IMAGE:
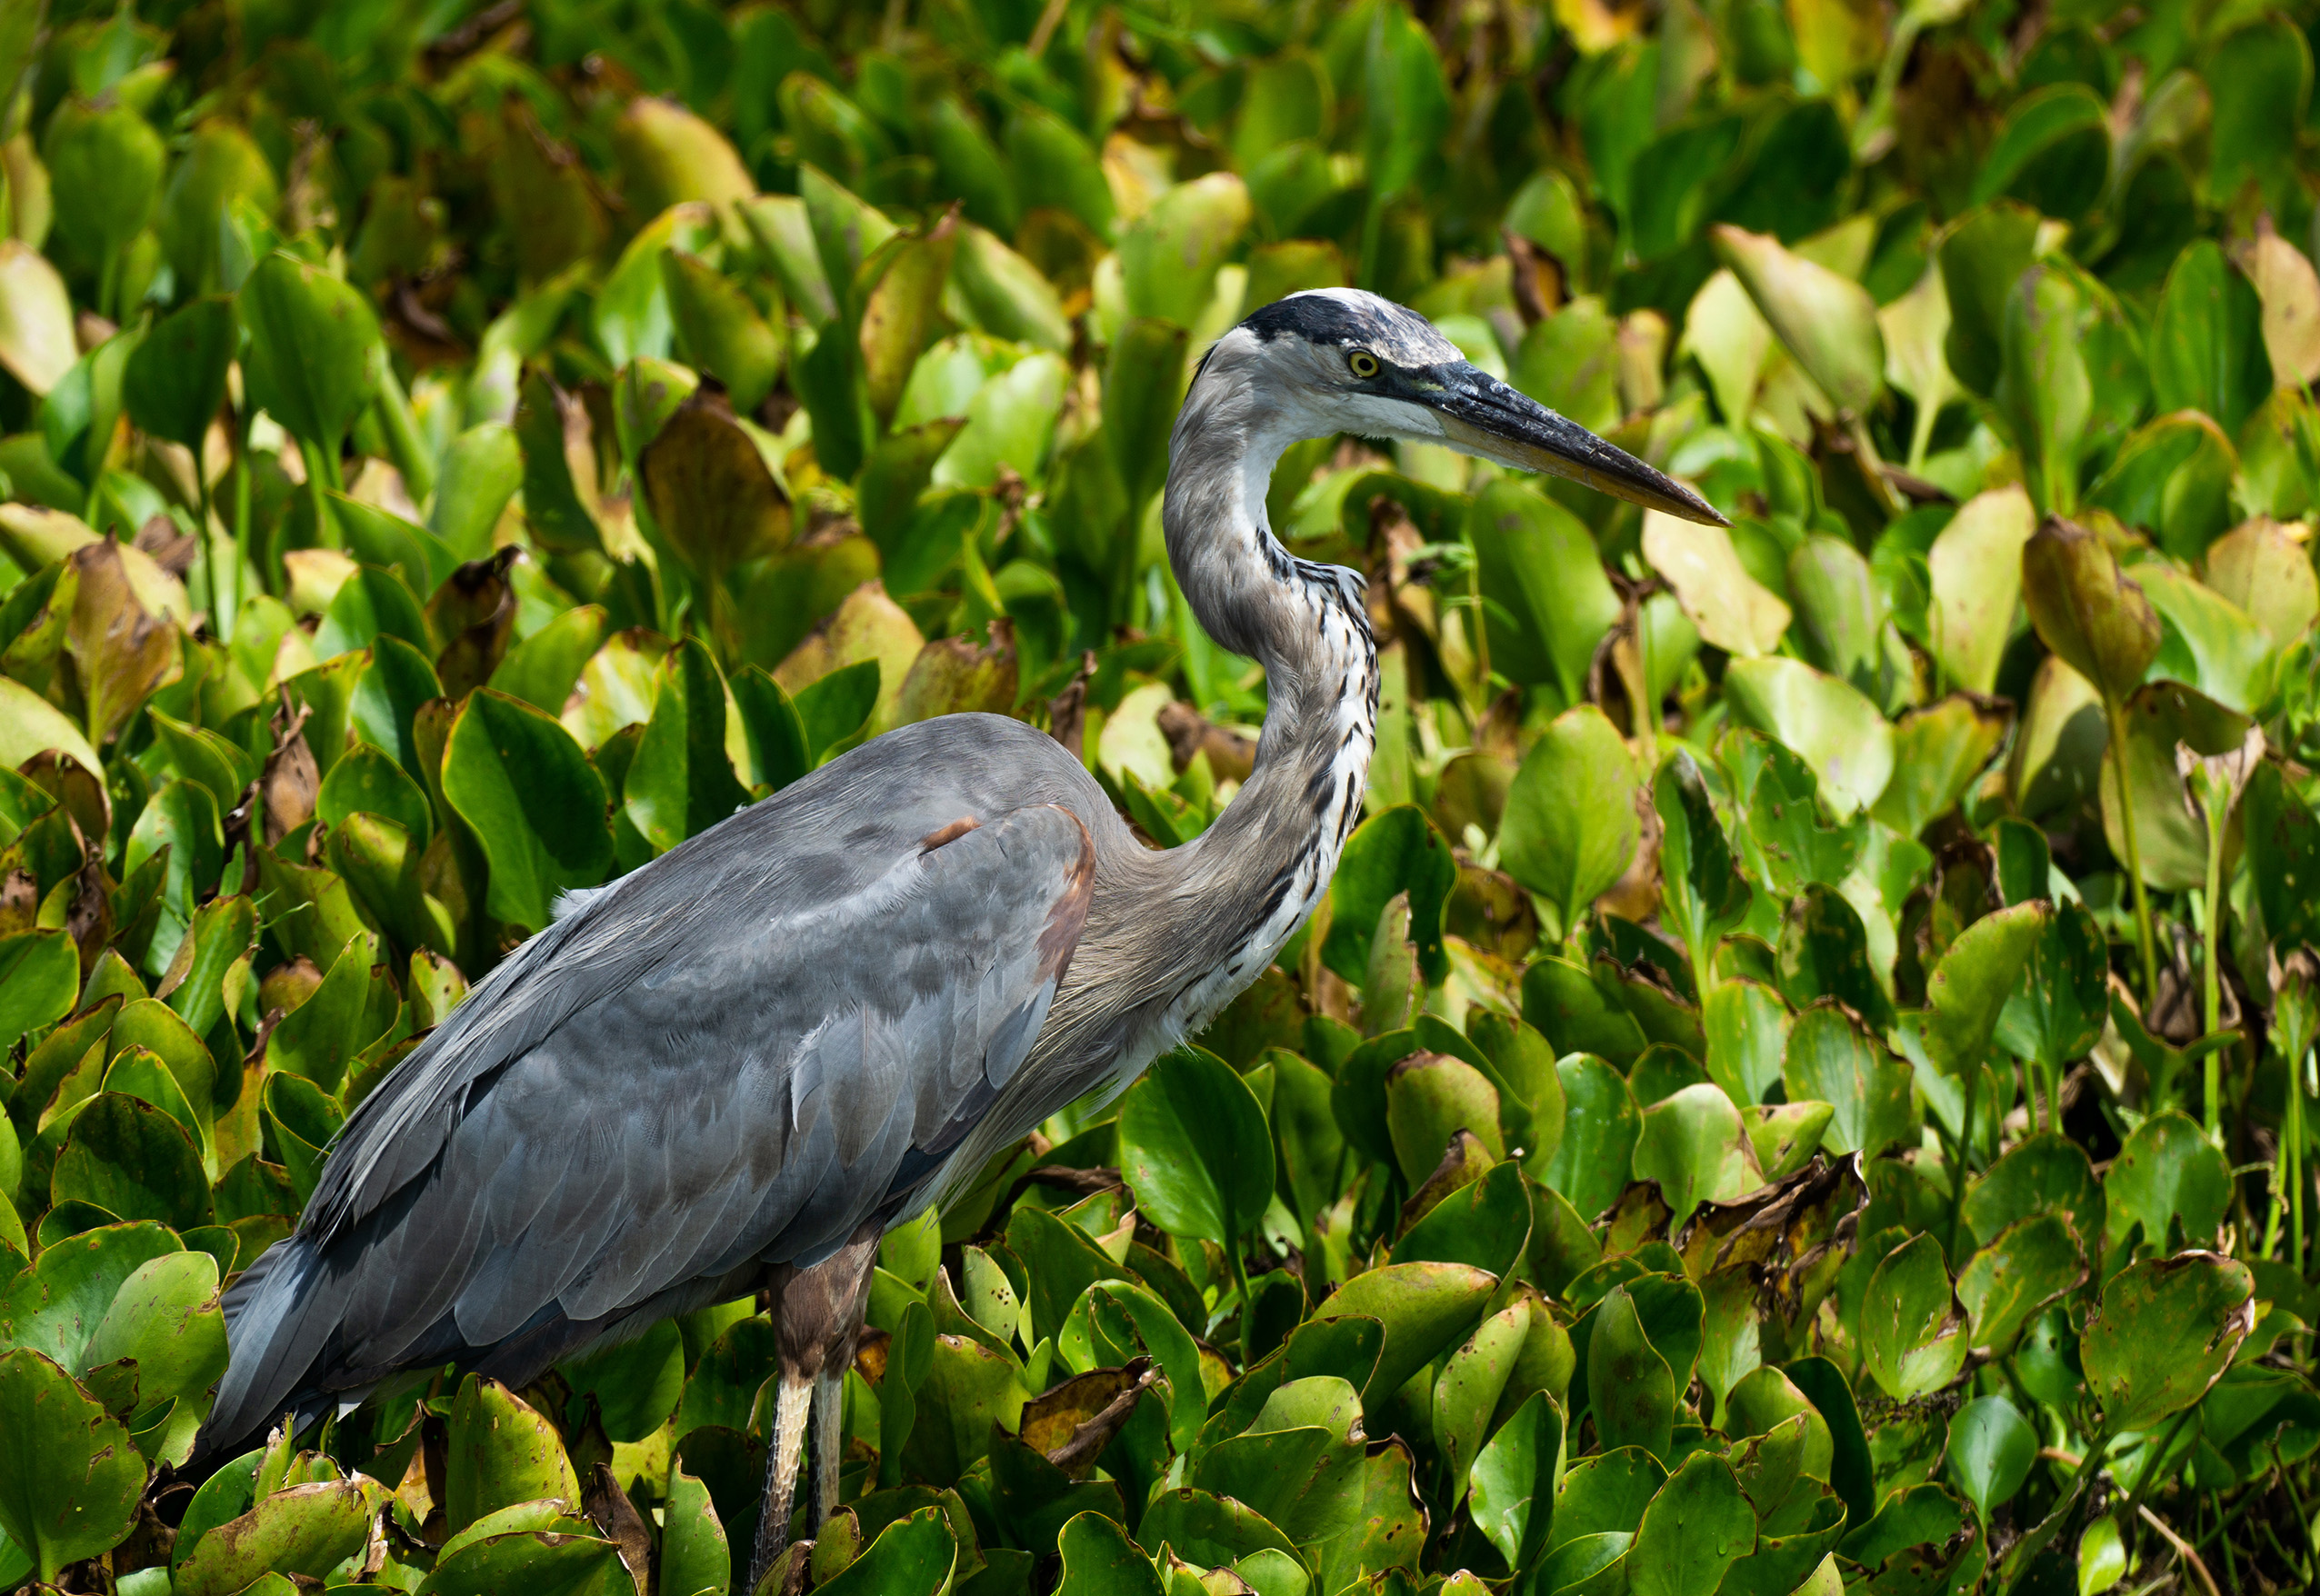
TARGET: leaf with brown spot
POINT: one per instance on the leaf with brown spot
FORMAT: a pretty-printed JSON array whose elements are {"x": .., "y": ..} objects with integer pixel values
[
  {"x": 121, "y": 652},
  {"x": 711, "y": 495}
]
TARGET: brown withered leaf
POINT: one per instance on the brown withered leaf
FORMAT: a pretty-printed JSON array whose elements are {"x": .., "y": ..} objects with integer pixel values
[
  {"x": 1231, "y": 755},
  {"x": 121, "y": 652},
  {"x": 951, "y": 675},
  {"x": 1068, "y": 710},
  {"x": 291, "y": 778},
  {"x": 89, "y": 920},
  {"x": 71, "y": 783},
  {"x": 1639, "y": 1215},
  {"x": 1465, "y": 1161},
  {"x": 475, "y": 612},
  {"x": 1074, "y": 1422},
  {"x": 710, "y": 492},
  {"x": 19, "y": 901}
]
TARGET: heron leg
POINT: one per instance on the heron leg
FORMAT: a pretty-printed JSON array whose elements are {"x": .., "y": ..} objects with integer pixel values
[
  {"x": 817, "y": 1315},
  {"x": 782, "y": 1458},
  {"x": 829, "y": 1442}
]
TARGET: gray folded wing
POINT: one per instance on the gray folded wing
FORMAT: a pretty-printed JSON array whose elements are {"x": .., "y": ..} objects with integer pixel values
[{"x": 735, "y": 1060}]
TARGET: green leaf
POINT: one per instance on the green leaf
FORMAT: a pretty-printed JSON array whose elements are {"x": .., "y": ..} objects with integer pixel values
[
  {"x": 968, "y": 1389},
  {"x": 2164, "y": 1331},
  {"x": 1425, "y": 1307},
  {"x": 1007, "y": 294},
  {"x": 500, "y": 1452},
  {"x": 1570, "y": 824},
  {"x": 2283, "y": 841},
  {"x": 131, "y": 1160},
  {"x": 1913, "y": 1338},
  {"x": 55, "y": 1307},
  {"x": 720, "y": 330},
  {"x": 1697, "y": 1527},
  {"x": 1600, "y": 1127},
  {"x": 539, "y": 1562},
  {"x": 309, "y": 360},
  {"x": 1833, "y": 1058},
  {"x": 1704, "y": 894},
  {"x": 105, "y": 163},
  {"x": 1747, "y": 1028},
  {"x": 911, "y": 1557},
  {"x": 1969, "y": 987},
  {"x": 2086, "y": 610},
  {"x": 1975, "y": 569},
  {"x": 1194, "y": 1147},
  {"x": 1694, "y": 1145},
  {"x": 481, "y": 472},
  {"x": 1828, "y": 321},
  {"x": 710, "y": 490},
  {"x": 40, "y": 972},
  {"x": 2039, "y": 1174},
  {"x": 681, "y": 780},
  {"x": 535, "y": 803},
  {"x": 901, "y": 313},
  {"x": 1429, "y": 1099},
  {"x": 1939, "y": 752},
  {"x": 1827, "y": 722},
  {"x": 1991, "y": 1449},
  {"x": 1393, "y": 852},
  {"x": 1469, "y": 1388},
  {"x": 1629, "y": 1388},
  {"x": 2053, "y": 151},
  {"x": 1409, "y": 103},
  {"x": 1550, "y": 602},
  {"x": 1718, "y": 594},
  {"x": 2026, "y": 1266},
  {"x": 2206, "y": 347},
  {"x": 1825, "y": 953},
  {"x": 70, "y": 1479},
  {"x": 366, "y": 780},
  {"x": 2172, "y": 478},
  {"x": 305, "y": 1528},
  {"x": 2055, "y": 1015},
  {"x": 1099, "y": 1560},
  {"x": 693, "y": 1552},
  {"x": 2168, "y": 1169},
  {"x": 176, "y": 378},
  {"x": 318, "y": 1039},
  {"x": 1514, "y": 1499},
  {"x": 37, "y": 344}
]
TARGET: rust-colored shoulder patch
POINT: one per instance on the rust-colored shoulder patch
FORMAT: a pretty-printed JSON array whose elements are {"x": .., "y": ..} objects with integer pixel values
[
  {"x": 1068, "y": 918},
  {"x": 949, "y": 833}
]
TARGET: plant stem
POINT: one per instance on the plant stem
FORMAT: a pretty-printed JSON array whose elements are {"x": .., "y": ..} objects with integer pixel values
[
  {"x": 221, "y": 582},
  {"x": 2026, "y": 1550},
  {"x": 1965, "y": 1155},
  {"x": 1646, "y": 706},
  {"x": 2292, "y": 1152},
  {"x": 2212, "y": 988},
  {"x": 2117, "y": 714}
]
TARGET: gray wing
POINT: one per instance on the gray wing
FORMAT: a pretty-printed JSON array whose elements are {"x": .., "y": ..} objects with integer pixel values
[{"x": 730, "y": 1059}]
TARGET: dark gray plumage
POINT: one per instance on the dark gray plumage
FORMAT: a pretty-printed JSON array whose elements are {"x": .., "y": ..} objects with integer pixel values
[{"x": 731, "y": 1069}]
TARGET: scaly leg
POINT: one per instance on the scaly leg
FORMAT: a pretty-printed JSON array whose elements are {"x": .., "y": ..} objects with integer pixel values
[
  {"x": 817, "y": 1313},
  {"x": 790, "y": 1399},
  {"x": 829, "y": 1442}
]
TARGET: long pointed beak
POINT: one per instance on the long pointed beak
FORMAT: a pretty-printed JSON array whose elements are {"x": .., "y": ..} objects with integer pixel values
[{"x": 1482, "y": 415}]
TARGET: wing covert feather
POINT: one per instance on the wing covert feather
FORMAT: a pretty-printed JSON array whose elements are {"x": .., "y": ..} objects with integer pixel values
[{"x": 752, "y": 1090}]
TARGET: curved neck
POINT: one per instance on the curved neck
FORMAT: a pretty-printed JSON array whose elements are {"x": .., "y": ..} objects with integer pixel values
[{"x": 1304, "y": 623}]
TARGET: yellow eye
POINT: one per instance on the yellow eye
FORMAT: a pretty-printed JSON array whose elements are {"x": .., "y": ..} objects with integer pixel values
[{"x": 1363, "y": 364}]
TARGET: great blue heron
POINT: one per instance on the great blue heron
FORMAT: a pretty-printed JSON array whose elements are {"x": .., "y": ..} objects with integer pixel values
[{"x": 732, "y": 1070}]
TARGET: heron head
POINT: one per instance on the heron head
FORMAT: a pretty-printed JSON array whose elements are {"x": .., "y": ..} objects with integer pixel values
[{"x": 1349, "y": 361}]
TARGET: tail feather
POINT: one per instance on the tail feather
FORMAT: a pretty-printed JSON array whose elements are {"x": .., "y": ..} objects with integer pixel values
[{"x": 278, "y": 1317}]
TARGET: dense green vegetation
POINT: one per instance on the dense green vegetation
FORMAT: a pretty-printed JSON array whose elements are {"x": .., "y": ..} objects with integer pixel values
[{"x": 1800, "y": 1081}]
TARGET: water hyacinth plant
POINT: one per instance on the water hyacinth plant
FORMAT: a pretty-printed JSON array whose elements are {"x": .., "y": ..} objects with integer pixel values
[{"x": 1799, "y": 1083}]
